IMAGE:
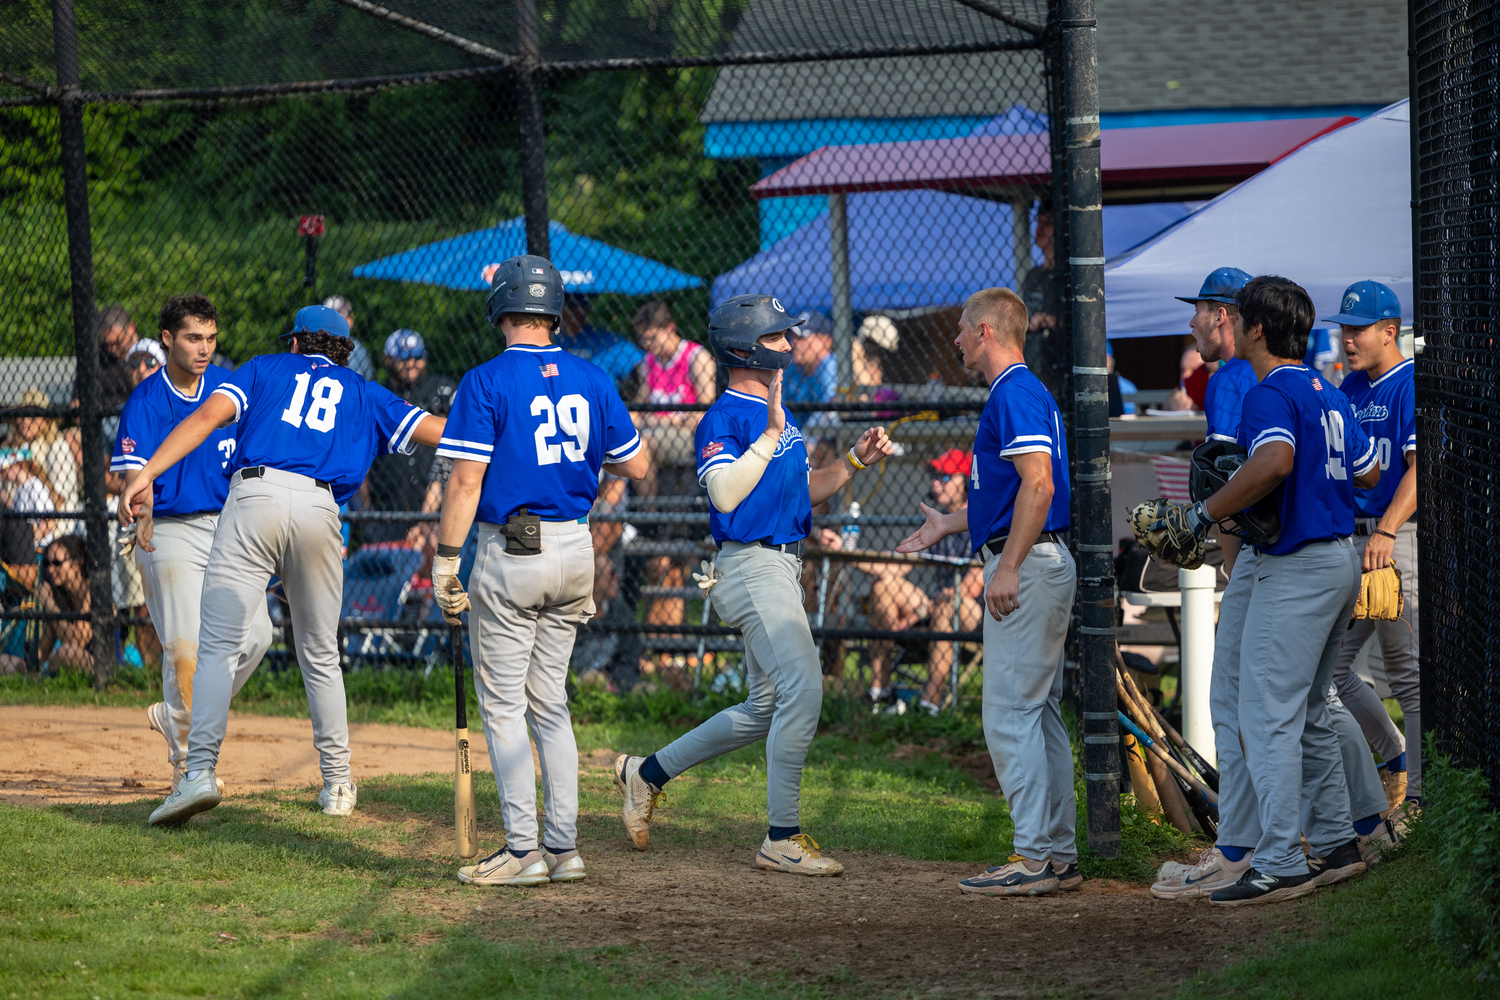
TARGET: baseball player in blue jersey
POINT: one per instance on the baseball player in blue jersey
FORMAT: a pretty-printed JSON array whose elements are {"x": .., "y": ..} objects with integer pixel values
[
  {"x": 1382, "y": 387},
  {"x": 1019, "y": 500},
  {"x": 1307, "y": 453},
  {"x": 308, "y": 429},
  {"x": 174, "y": 530},
  {"x": 1239, "y": 813},
  {"x": 753, "y": 462},
  {"x": 529, "y": 432}
]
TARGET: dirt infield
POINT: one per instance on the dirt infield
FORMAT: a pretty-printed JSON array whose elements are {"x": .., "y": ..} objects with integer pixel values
[{"x": 82, "y": 754}]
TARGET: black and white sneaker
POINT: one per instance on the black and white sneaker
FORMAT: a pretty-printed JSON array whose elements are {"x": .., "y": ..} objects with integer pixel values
[
  {"x": 1259, "y": 887},
  {"x": 1343, "y": 862}
]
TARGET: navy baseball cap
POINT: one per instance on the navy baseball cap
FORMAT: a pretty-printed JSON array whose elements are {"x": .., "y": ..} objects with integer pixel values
[
  {"x": 318, "y": 319},
  {"x": 403, "y": 345},
  {"x": 1364, "y": 303},
  {"x": 1220, "y": 286}
]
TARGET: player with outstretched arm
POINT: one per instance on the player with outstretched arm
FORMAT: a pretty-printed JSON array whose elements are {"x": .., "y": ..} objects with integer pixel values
[
  {"x": 1019, "y": 500},
  {"x": 529, "y": 432},
  {"x": 308, "y": 430},
  {"x": 753, "y": 461}
]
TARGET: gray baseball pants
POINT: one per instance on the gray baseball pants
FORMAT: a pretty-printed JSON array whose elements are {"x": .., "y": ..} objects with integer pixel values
[
  {"x": 1023, "y": 683},
  {"x": 172, "y": 577},
  {"x": 524, "y": 615},
  {"x": 1366, "y": 795},
  {"x": 279, "y": 524},
  {"x": 1399, "y": 650},
  {"x": 1294, "y": 626},
  {"x": 758, "y": 592}
]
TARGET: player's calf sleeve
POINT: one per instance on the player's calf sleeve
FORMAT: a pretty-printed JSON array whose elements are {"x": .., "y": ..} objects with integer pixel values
[
  {"x": 1235, "y": 854},
  {"x": 783, "y": 832}
]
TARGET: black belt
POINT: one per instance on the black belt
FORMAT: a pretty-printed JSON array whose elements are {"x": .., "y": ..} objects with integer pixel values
[
  {"x": 790, "y": 548},
  {"x": 257, "y": 471},
  {"x": 994, "y": 545},
  {"x": 1364, "y": 527}
]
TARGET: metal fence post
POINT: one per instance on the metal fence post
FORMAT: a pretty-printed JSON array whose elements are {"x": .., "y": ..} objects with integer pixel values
[
  {"x": 843, "y": 288},
  {"x": 81, "y": 275},
  {"x": 1426, "y": 691},
  {"x": 533, "y": 136},
  {"x": 1091, "y": 485}
]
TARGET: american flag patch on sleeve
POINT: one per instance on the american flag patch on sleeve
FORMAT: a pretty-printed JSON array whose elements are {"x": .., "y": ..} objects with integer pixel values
[{"x": 549, "y": 370}]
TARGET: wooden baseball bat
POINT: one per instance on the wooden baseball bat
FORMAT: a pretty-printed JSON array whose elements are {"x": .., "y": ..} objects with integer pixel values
[
  {"x": 1140, "y": 780},
  {"x": 465, "y": 826}
]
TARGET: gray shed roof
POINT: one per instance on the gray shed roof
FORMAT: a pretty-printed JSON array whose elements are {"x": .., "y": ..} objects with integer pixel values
[{"x": 1153, "y": 55}]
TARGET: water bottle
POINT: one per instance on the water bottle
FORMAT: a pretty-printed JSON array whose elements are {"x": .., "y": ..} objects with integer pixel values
[{"x": 849, "y": 537}]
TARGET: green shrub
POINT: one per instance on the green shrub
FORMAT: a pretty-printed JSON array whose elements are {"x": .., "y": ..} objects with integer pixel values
[{"x": 1461, "y": 829}]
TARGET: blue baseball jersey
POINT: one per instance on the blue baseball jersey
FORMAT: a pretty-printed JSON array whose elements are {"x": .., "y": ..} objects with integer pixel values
[
  {"x": 545, "y": 422},
  {"x": 779, "y": 508},
  {"x": 1296, "y": 406},
  {"x": 1387, "y": 410},
  {"x": 200, "y": 481},
  {"x": 1019, "y": 418},
  {"x": 302, "y": 413},
  {"x": 1225, "y": 396}
]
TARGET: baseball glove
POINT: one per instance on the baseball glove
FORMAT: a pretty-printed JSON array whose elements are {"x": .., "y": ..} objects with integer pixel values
[
  {"x": 1169, "y": 531},
  {"x": 1380, "y": 595}
]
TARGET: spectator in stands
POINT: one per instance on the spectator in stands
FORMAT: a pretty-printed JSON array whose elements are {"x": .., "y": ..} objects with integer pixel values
[
  {"x": 1119, "y": 385},
  {"x": 897, "y": 604},
  {"x": 25, "y": 490},
  {"x": 813, "y": 375},
  {"x": 65, "y": 588},
  {"x": 143, "y": 360},
  {"x": 117, "y": 335},
  {"x": 57, "y": 453},
  {"x": 617, "y": 356},
  {"x": 400, "y": 482},
  {"x": 1192, "y": 382},
  {"x": 876, "y": 341},
  {"x": 1045, "y": 352},
  {"x": 359, "y": 358}
]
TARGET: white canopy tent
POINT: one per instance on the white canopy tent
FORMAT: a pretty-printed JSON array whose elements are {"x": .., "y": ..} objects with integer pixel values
[{"x": 1334, "y": 212}]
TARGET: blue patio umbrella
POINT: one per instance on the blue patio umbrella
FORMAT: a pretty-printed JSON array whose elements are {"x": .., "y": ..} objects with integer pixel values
[
  {"x": 587, "y": 265},
  {"x": 912, "y": 249}
]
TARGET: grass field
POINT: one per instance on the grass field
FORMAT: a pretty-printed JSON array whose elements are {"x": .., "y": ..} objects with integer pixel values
[{"x": 264, "y": 896}]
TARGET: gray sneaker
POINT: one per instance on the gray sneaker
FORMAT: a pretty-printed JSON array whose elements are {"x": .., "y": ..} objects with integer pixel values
[{"x": 191, "y": 797}]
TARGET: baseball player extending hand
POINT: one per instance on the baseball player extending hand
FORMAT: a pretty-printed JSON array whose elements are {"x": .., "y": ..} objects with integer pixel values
[
  {"x": 529, "y": 432},
  {"x": 1019, "y": 500},
  {"x": 753, "y": 461},
  {"x": 308, "y": 429},
  {"x": 174, "y": 532}
]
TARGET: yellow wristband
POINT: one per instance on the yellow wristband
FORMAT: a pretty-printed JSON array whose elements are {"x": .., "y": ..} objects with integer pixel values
[{"x": 855, "y": 461}]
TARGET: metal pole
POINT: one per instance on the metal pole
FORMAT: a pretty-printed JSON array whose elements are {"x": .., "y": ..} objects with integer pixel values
[
  {"x": 1020, "y": 208},
  {"x": 843, "y": 293},
  {"x": 86, "y": 386},
  {"x": 1427, "y": 689},
  {"x": 958, "y": 600},
  {"x": 533, "y": 136},
  {"x": 1091, "y": 484}
]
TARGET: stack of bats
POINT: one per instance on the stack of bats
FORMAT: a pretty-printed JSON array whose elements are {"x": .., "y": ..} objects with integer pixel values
[{"x": 1169, "y": 777}]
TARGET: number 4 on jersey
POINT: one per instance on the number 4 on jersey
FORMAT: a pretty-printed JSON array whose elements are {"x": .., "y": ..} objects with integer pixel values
[{"x": 326, "y": 395}]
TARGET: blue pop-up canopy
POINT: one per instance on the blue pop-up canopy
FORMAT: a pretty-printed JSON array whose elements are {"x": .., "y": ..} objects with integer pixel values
[
  {"x": 913, "y": 249},
  {"x": 587, "y": 265}
]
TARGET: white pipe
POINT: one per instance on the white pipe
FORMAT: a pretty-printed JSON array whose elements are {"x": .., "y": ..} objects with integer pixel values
[
  {"x": 843, "y": 292},
  {"x": 1197, "y": 657}
]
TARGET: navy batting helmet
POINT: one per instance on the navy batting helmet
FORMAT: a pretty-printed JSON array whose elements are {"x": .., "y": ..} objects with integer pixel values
[
  {"x": 525, "y": 284},
  {"x": 1213, "y": 463},
  {"x": 739, "y": 323}
]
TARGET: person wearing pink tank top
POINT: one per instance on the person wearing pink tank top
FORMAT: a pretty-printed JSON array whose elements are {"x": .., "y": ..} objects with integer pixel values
[{"x": 675, "y": 371}]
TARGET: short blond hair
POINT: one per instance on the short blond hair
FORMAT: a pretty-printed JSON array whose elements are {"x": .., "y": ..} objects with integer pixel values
[
  {"x": 531, "y": 320},
  {"x": 1002, "y": 309}
]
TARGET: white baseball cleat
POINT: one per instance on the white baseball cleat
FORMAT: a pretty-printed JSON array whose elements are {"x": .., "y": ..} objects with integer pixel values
[
  {"x": 1170, "y": 868},
  {"x": 1012, "y": 879},
  {"x": 338, "y": 800},
  {"x": 640, "y": 799},
  {"x": 177, "y": 779},
  {"x": 564, "y": 867},
  {"x": 505, "y": 868},
  {"x": 191, "y": 797},
  {"x": 797, "y": 855},
  {"x": 1383, "y": 838},
  {"x": 1213, "y": 871},
  {"x": 159, "y": 718}
]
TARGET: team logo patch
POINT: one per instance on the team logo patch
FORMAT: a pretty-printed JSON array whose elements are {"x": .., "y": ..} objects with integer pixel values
[
  {"x": 710, "y": 450},
  {"x": 1350, "y": 301},
  {"x": 127, "y": 445},
  {"x": 537, "y": 291},
  {"x": 549, "y": 370},
  {"x": 777, "y": 304}
]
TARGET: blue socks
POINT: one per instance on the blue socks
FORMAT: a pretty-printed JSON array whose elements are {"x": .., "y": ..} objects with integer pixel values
[
  {"x": 1365, "y": 827},
  {"x": 1235, "y": 854},
  {"x": 1397, "y": 763},
  {"x": 652, "y": 772},
  {"x": 783, "y": 832}
]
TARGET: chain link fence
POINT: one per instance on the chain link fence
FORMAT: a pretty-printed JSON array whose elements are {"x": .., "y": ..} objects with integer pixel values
[
  {"x": 1455, "y": 126},
  {"x": 870, "y": 165}
]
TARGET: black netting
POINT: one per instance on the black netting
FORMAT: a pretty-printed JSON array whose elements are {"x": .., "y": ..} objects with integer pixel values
[
  {"x": 669, "y": 186},
  {"x": 1456, "y": 127}
]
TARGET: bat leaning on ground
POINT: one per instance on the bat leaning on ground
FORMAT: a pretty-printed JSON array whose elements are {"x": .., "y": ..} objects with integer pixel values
[{"x": 464, "y": 823}]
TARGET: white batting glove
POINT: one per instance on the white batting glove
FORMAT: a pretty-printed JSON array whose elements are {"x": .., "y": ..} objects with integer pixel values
[
  {"x": 706, "y": 579},
  {"x": 448, "y": 592},
  {"x": 125, "y": 540}
]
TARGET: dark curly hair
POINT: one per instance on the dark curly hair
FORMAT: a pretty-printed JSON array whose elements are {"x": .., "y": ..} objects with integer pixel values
[
  {"x": 335, "y": 349},
  {"x": 1282, "y": 309}
]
